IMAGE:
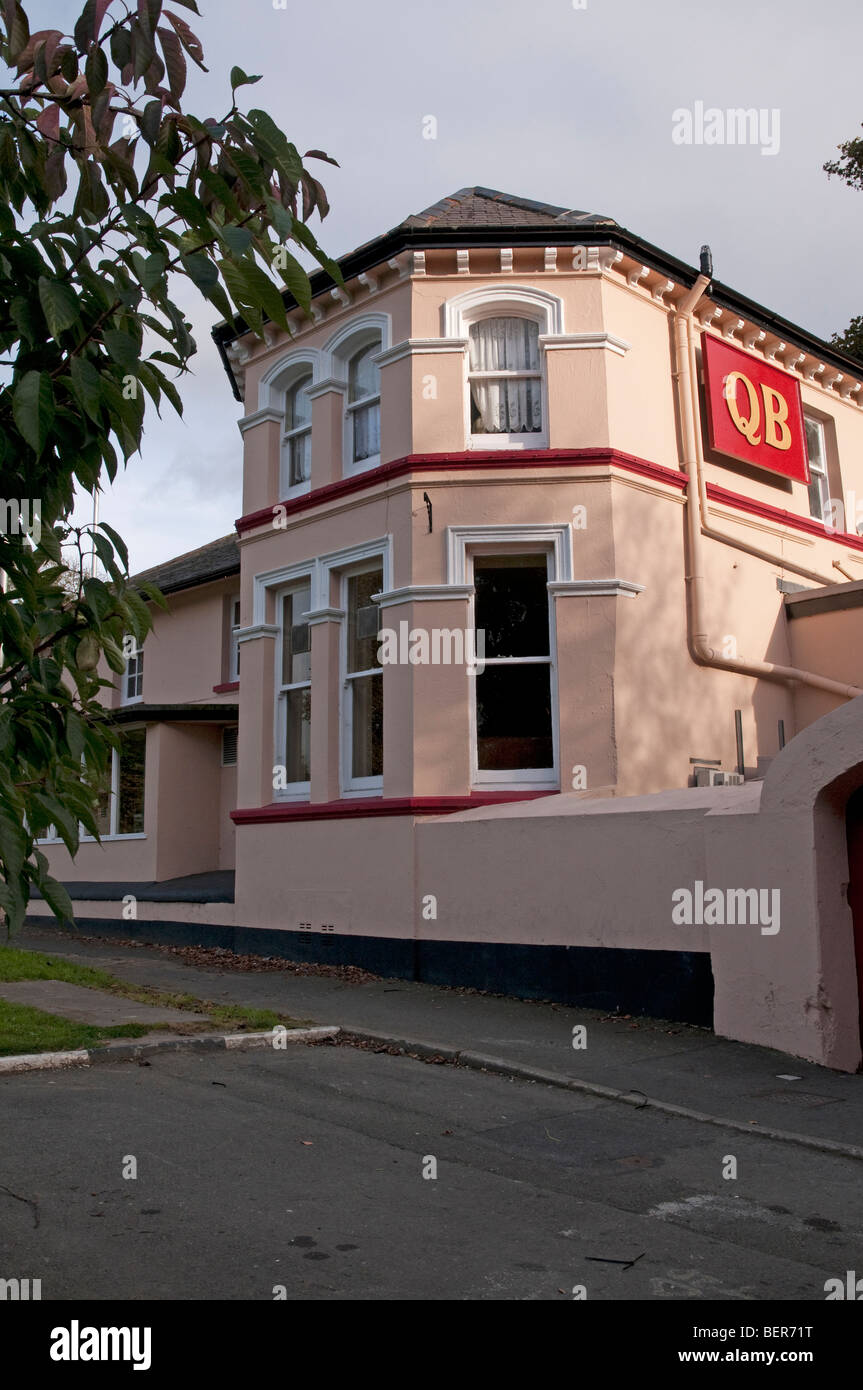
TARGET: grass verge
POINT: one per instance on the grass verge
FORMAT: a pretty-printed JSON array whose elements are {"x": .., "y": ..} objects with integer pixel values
[{"x": 25, "y": 1029}]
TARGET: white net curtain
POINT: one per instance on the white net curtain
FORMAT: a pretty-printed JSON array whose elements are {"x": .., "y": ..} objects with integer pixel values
[{"x": 505, "y": 380}]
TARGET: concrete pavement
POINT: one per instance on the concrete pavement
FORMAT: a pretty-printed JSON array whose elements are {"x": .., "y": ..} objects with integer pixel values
[{"x": 671, "y": 1062}]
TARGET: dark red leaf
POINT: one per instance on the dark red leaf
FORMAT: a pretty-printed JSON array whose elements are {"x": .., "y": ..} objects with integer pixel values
[
  {"x": 48, "y": 121},
  {"x": 174, "y": 61},
  {"x": 190, "y": 42}
]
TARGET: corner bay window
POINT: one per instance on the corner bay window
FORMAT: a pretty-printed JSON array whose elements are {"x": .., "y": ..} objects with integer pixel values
[
  {"x": 364, "y": 403},
  {"x": 297, "y": 440},
  {"x": 364, "y": 691},
  {"x": 295, "y": 685},
  {"x": 513, "y": 693},
  {"x": 505, "y": 377}
]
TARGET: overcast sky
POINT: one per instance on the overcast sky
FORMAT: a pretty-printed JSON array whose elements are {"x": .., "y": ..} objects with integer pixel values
[{"x": 567, "y": 105}]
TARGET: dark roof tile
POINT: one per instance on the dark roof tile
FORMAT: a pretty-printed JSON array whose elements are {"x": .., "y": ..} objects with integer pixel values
[{"x": 216, "y": 560}]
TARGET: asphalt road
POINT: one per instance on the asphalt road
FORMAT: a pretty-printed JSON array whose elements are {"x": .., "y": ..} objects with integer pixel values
[{"x": 303, "y": 1170}]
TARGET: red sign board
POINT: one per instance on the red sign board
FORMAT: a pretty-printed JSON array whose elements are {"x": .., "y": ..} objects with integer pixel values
[{"x": 754, "y": 411}]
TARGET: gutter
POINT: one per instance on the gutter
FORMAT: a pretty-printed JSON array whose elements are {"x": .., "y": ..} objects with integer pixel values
[{"x": 696, "y": 507}]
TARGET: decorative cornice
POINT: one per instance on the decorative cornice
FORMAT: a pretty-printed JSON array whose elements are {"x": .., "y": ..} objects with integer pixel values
[
  {"x": 554, "y": 341},
  {"x": 590, "y": 588},
  {"x": 423, "y": 593},
  {"x": 316, "y": 616},
  {"x": 248, "y": 634},
  {"x": 267, "y": 415},
  {"x": 321, "y": 388},
  {"x": 410, "y": 347}
]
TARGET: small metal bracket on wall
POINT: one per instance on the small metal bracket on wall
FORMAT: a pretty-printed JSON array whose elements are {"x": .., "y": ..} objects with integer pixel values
[{"x": 427, "y": 501}]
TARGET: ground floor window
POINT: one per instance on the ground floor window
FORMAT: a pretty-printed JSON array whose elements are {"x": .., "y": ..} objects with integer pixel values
[
  {"x": 513, "y": 717},
  {"x": 295, "y": 687},
  {"x": 363, "y": 713},
  {"x": 121, "y": 798}
]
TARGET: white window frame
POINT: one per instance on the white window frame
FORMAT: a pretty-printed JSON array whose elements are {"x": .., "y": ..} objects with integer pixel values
[
  {"x": 286, "y": 487},
  {"x": 294, "y": 791},
  {"x": 323, "y": 570},
  {"x": 351, "y": 785},
  {"x": 533, "y": 439},
  {"x": 509, "y": 301},
  {"x": 138, "y": 658},
  {"x": 338, "y": 351},
  {"x": 233, "y": 643},
  {"x": 555, "y": 540},
  {"x": 821, "y": 475},
  {"x": 273, "y": 391},
  {"x": 352, "y": 409}
]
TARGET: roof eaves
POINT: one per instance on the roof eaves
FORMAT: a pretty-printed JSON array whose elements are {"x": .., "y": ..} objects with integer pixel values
[{"x": 575, "y": 233}]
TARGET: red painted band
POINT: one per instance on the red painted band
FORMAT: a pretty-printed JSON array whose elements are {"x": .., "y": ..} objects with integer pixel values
[
  {"x": 348, "y": 809},
  {"x": 481, "y": 460}
]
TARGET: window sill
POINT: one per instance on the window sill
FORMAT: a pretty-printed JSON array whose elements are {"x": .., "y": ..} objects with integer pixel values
[
  {"x": 508, "y": 441},
  {"x": 226, "y": 688},
  {"x": 362, "y": 466}
]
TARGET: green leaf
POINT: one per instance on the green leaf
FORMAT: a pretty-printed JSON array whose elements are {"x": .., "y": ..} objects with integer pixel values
[
  {"x": 237, "y": 239},
  {"x": 33, "y": 408},
  {"x": 74, "y": 733},
  {"x": 240, "y": 79},
  {"x": 87, "y": 386},
  {"x": 59, "y": 304},
  {"x": 117, "y": 541},
  {"x": 201, "y": 271},
  {"x": 121, "y": 348}
]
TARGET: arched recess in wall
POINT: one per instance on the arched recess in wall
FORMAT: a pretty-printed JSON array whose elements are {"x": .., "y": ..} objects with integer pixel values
[{"x": 819, "y": 774}]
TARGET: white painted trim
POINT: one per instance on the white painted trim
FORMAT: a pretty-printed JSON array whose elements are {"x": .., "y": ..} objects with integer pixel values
[
  {"x": 423, "y": 593},
  {"x": 551, "y": 343},
  {"x": 412, "y": 347},
  {"x": 349, "y": 785},
  {"x": 589, "y": 588},
  {"x": 276, "y": 379},
  {"x": 524, "y": 778},
  {"x": 462, "y": 310},
  {"x": 268, "y": 414},
  {"x": 335, "y": 350},
  {"x": 557, "y": 535},
  {"x": 329, "y": 383},
  {"x": 248, "y": 634},
  {"x": 316, "y": 616},
  {"x": 319, "y": 569}
]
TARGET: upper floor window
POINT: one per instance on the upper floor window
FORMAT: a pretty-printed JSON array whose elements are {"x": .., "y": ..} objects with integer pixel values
[
  {"x": 505, "y": 380},
  {"x": 133, "y": 676},
  {"x": 234, "y": 645},
  {"x": 364, "y": 405},
  {"x": 819, "y": 487},
  {"x": 297, "y": 439}
]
